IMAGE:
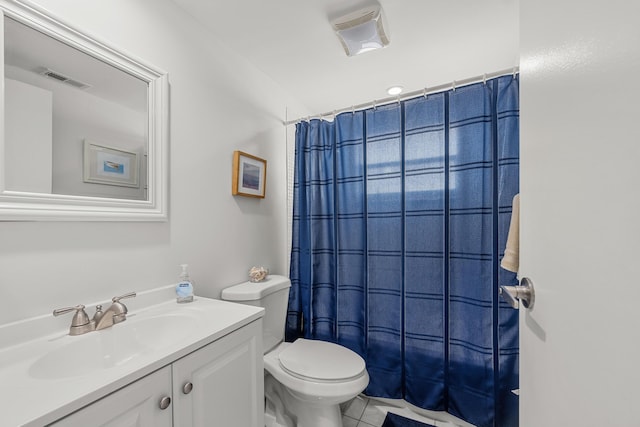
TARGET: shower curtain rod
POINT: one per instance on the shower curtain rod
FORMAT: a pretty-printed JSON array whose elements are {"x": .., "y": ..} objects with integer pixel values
[{"x": 424, "y": 92}]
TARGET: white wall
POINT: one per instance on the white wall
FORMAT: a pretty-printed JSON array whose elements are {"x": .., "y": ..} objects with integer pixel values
[
  {"x": 580, "y": 233},
  {"x": 28, "y": 137},
  {"x": 219, "y": 103}
]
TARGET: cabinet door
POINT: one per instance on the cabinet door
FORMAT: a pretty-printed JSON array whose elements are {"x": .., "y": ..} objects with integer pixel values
[
  {"x": 136, "y": 405},
  {"x": 227, "y": 382}
]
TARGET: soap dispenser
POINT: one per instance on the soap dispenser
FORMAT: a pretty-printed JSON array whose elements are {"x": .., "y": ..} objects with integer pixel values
[{"x": 184, "y": 288}]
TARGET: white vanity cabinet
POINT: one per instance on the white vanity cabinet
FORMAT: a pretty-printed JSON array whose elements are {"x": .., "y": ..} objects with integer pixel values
[
  {"x": 135, "y": 405},
  {"x": 220, "y": 384}
]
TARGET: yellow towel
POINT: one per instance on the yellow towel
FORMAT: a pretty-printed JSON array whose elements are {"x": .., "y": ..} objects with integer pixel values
[{"x": 511, "y": 259}]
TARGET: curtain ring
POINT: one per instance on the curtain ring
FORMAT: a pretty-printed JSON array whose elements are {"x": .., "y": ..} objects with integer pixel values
[
  {"x": 353, "y": 110},
  {"x": 424, "y": 93},
  {"x": 374, "y": 105},
  {"x": 514, "y": 72},
  {"x": 453, "y": 85},
  {"x": 484, "y": 79}
]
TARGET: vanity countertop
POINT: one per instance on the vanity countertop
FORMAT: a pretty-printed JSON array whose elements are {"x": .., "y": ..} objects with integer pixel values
[{"x": 41, "y": 382}]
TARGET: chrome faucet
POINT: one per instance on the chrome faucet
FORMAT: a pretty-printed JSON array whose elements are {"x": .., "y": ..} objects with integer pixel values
[
  {"x": 115, "y": 314},
  {"x": 80, "y": 324}
]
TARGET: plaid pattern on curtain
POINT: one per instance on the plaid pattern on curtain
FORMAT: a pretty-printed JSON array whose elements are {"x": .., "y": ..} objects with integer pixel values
[{"x": 401, "y": 214}]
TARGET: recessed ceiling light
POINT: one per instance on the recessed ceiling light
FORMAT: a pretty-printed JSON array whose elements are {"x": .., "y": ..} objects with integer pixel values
[{"x": 395, "y": 90}]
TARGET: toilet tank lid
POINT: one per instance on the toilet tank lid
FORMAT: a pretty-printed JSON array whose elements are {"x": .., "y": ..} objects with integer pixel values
[{"x": 251, "y": 291}]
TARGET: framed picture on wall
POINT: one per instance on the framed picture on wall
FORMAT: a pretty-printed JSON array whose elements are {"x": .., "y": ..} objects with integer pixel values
[
  {"x": 109, "y": 165},
  {"x": 249, "y": 175}
]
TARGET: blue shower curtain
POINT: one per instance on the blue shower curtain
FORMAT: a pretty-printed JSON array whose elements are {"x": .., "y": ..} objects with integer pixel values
[{"x": 401, "y": 214}]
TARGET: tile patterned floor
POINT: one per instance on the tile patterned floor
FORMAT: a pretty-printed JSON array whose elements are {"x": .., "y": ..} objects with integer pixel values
[{"x": 367, "y": 412}]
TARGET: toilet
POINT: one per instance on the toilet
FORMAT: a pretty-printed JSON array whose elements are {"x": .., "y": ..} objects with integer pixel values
[{"x": 307, "y": 380}]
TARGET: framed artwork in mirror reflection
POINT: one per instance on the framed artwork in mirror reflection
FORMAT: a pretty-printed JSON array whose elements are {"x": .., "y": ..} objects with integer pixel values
[
  {"x": 110, "y": 165},
  {"x": 249, "y": 175}
]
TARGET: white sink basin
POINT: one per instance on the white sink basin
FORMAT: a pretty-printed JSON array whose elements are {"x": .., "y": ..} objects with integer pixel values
[{"x": 108, "y": 348}]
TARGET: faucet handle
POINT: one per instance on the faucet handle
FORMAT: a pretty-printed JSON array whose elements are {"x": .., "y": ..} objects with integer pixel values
[
  {"x": 79, "y": 319},
  {"x": 80, "y": 323},
  {"x": 129, "y": 295},
  {"x": 121, "y": 310}
]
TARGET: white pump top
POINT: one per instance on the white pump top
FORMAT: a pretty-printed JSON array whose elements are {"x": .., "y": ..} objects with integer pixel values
[{"x": 184, "y": 275}]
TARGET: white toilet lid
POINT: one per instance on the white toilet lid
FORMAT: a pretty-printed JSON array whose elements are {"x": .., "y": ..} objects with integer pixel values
[{"x": 320, "y": 360}]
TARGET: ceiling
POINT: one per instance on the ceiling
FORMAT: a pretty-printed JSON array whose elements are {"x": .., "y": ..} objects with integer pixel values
[{"x": 433, "y": 42}]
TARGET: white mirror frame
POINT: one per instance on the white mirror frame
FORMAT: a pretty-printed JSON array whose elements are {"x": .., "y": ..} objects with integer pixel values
[{"x": 24, "y": 206}]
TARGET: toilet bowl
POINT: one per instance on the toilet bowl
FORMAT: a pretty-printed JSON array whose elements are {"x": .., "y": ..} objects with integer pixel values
[
  {"x": 307, "y": 380},
  {"x": 312, "y": 379}
]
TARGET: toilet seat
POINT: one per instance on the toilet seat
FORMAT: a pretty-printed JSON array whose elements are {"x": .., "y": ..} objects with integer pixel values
[
  {"x": 310, "y": 389},
  {"x": 321, "y": 361}
]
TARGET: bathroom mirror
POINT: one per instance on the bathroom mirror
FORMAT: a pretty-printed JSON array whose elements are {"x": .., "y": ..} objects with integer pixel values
[{"x": 85, "y": 126}]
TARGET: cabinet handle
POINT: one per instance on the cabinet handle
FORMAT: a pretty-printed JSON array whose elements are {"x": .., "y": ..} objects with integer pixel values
[
  {"x": 165, "y": 402},
  {"x": 187, "y": 387}
]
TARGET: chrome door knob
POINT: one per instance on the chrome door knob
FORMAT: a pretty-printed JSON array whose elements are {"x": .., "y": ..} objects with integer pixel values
[
  {"x": 524, "y": 293},
  {"x": 187, "y": 387},
  {"x": 165, "y": 402}
]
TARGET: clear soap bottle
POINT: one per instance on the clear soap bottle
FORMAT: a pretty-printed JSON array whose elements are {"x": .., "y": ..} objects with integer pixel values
[{"x": 184, "y": 288}]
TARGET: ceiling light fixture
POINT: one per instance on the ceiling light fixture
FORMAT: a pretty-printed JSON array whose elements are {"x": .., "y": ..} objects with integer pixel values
[
  {"x": 361, "y": 31},
  {"x": 395, "y": 90}
]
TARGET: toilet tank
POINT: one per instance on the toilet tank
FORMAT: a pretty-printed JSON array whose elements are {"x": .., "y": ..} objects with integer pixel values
[{"x": 273, "y": 295}]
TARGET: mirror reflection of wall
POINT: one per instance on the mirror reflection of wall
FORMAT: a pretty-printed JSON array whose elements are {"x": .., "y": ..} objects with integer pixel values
[{"x": 56, "y": 97}]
